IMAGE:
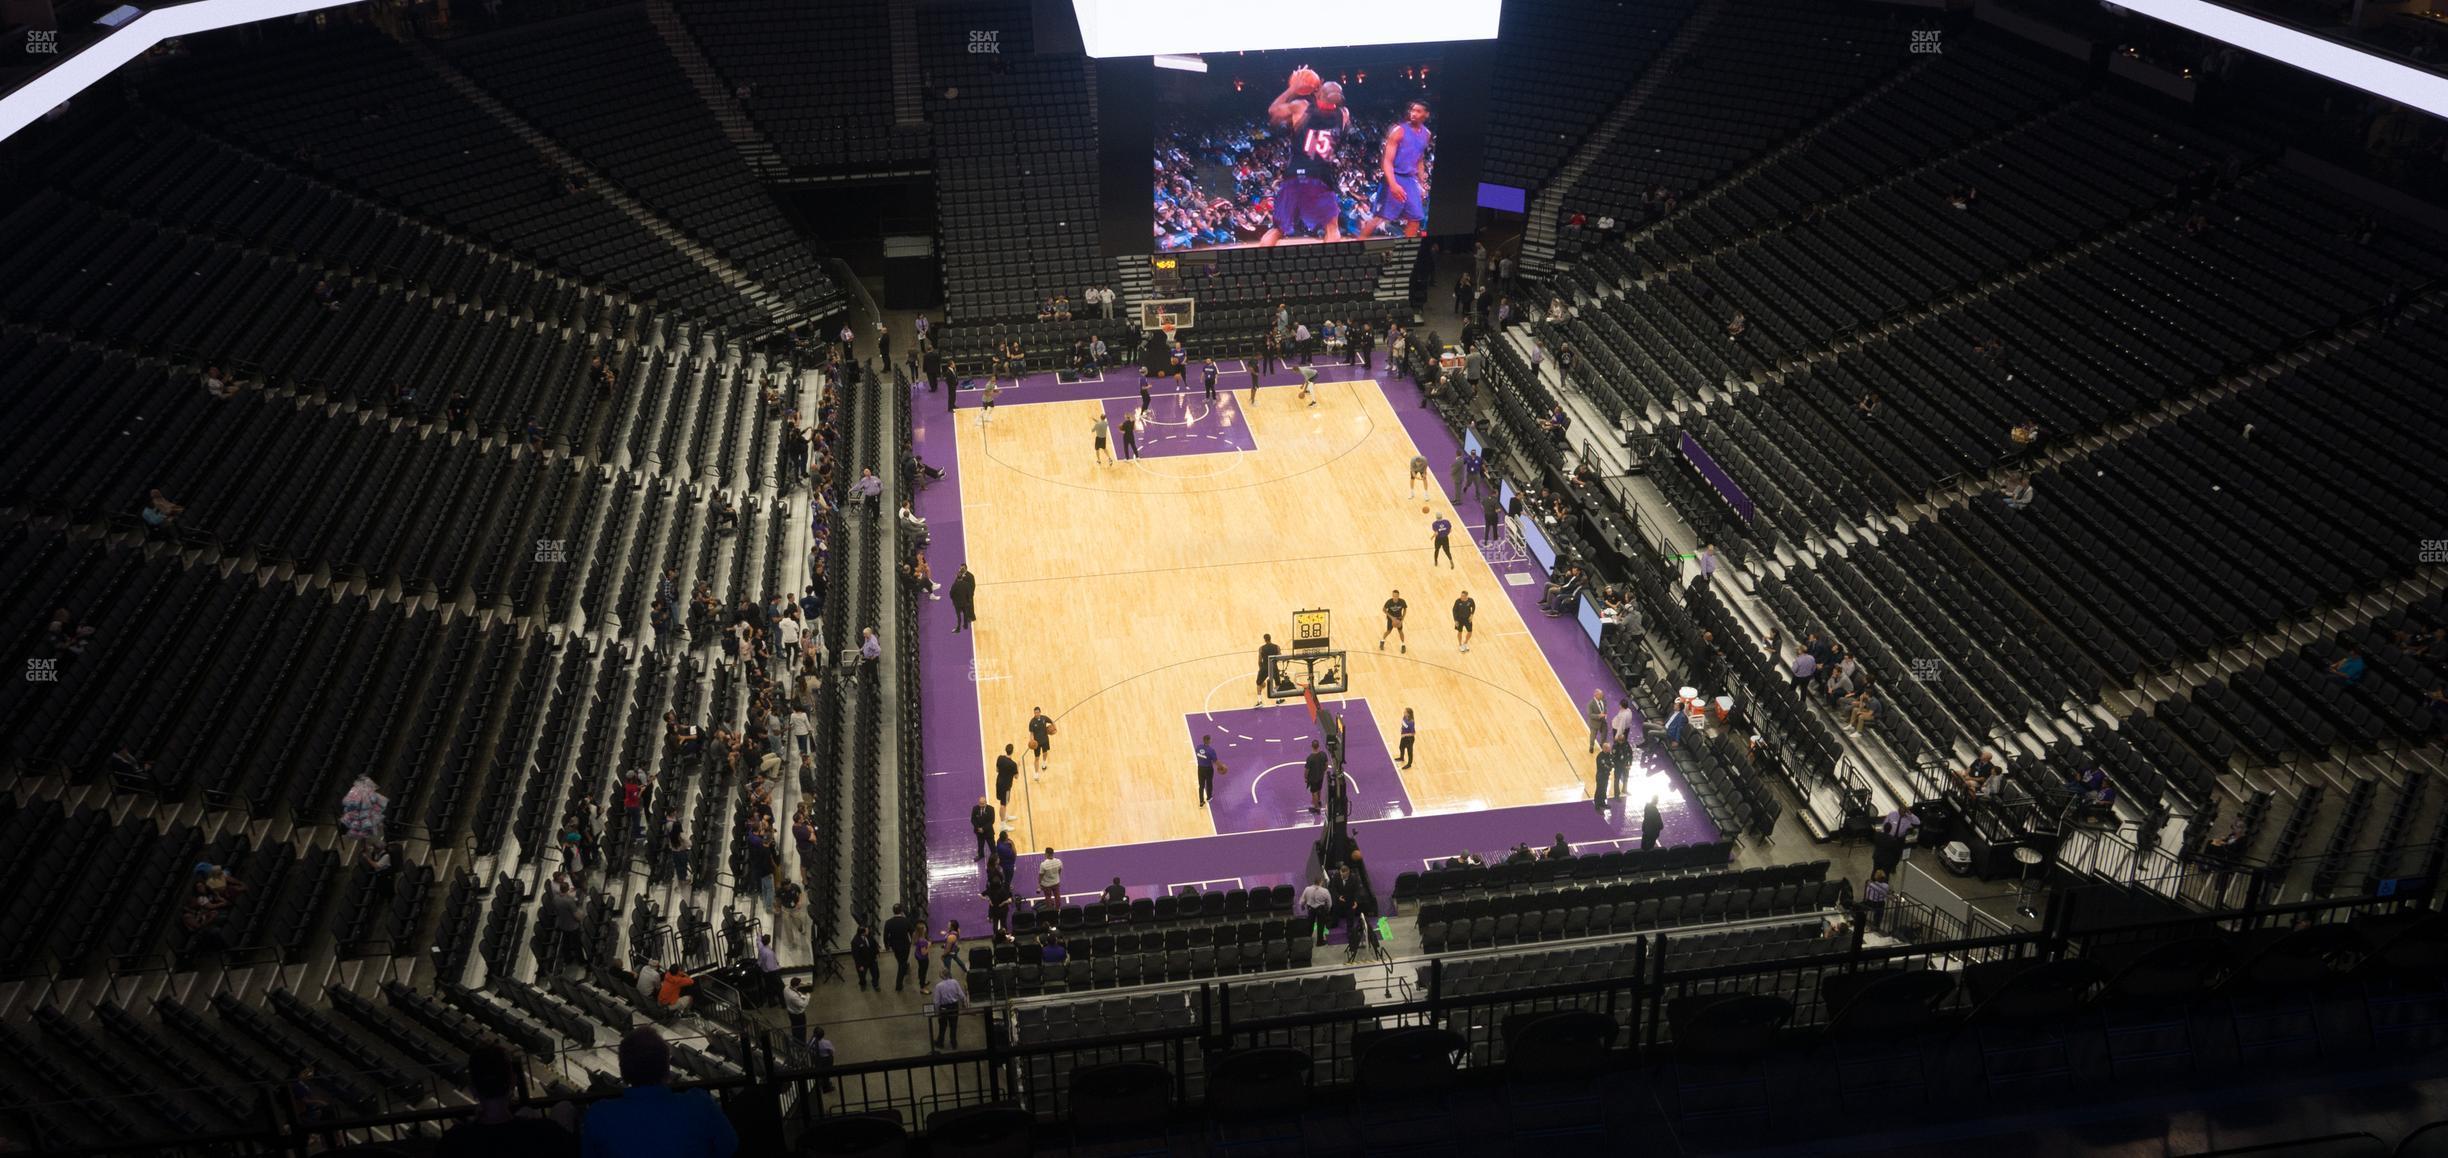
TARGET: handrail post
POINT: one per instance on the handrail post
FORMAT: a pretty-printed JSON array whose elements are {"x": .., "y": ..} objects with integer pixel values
[{"x": 994, "y": 1054}]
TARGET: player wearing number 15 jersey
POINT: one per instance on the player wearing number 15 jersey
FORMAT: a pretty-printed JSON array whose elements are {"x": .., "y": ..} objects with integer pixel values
[{"x": 1314, "y": 119}]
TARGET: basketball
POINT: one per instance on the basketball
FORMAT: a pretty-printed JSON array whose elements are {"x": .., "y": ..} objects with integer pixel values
[
  {"x": 1423, "y": 508},
  {"x": 1304, "y": 81}
]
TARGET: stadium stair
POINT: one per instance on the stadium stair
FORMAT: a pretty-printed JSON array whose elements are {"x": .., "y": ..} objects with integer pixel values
[
  {"x": 1538, "y": 252},
  {"x": 762, "y": 158},
  {"x": 775, "y": 306}
]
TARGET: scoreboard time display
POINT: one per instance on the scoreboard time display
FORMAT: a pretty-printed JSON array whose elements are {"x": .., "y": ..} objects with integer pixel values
[{"x": 1311, "y": 627}]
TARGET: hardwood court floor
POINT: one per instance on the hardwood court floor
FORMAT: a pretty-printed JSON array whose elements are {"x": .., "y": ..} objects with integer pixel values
[{"x": 1122, "y": 598}]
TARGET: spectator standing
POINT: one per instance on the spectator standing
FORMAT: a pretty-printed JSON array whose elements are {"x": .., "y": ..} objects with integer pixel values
[
  {"x": 864, "y": 960},
  {"x": 897, "y": 942},
  {"x": 1875, "y": 894},
  {"x": 947, "y": 999},
  {"x": 649, "y": 1119},
  {"x": 802, "y": 730},
  {"x": 870, "y": 491},
  {"x": 769, "y": 968},
  {"x": 633, "y": 802},
  {"x": 1653, "y": 823},
  {"x": 361, "y": 815},
  {"x": 1049, "y": 878},
  {"x": 676, "y": 844},
  {"x": 794, "y": 1007}
]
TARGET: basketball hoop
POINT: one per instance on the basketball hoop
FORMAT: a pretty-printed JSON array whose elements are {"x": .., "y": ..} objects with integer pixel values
[{"x": 1168, "y": 325}]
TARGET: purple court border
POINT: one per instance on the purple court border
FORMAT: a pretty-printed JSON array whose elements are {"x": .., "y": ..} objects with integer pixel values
[{"x": 1273, "y": 856}]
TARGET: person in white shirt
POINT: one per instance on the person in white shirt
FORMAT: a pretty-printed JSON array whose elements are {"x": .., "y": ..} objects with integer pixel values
[
  {"x": 1318, "y": 905},
  {"x": 794, "y": 1006},
  {"x": 802, "y": 732},
  {"x": 947, "y": 998},
  {"x": 1049, "y": 878},
  {"x": 649, "y": 981},
  {"x": 787, "y": 629}
]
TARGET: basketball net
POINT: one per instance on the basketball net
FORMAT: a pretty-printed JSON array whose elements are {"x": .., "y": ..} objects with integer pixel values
[{"x": 1168, "y": 326}]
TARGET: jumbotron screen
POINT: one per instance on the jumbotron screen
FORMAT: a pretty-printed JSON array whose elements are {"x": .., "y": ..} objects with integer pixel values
[{"x": 1308, "y": 145}]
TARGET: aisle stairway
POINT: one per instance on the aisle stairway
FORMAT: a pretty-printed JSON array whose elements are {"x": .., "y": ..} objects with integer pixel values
[
  {"x": 763, "y": 159},
  {"x": 776, "y": 306},
  {"x": 1546, "y": 207}
]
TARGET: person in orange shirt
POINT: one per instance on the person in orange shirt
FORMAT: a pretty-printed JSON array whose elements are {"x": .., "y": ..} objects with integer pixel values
[{"x": 674, "y": 992}]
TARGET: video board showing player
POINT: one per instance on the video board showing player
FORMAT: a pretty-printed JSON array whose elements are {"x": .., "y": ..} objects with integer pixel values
[{"x": 1296, "y": 147}]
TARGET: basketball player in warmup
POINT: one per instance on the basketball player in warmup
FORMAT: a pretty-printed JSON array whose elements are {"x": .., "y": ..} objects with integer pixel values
[
  {"x": 1410, "y": 730},
  {"x": 1403, "y": 198},
  {"x": 1207, "y": 372},
  {"x": 1395, "y": 609},
  {"x": 1041, "y": 739},
  {"x": 1309, "y": 384},
  {"x": 1102, "y": 428},
  {"x": 1207, "y": 768},
  {"x": 1464, "y": 607},
  {"x": 1267, "y": 651},
  {"x": 1443, "y": 544},
  {"x": 1420, "y": 486},
  {"x": 1314, "y": 120},
  {"x": 986, "y": 401}
]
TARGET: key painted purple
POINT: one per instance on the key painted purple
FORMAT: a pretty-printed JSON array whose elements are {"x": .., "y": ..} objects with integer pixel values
[
  {"x": 1263, "y": 750},
  {"x": 1181, "y": 425}
]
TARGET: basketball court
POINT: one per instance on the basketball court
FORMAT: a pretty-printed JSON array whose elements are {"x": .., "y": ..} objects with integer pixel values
[{"x": 1127, "y": 601}]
